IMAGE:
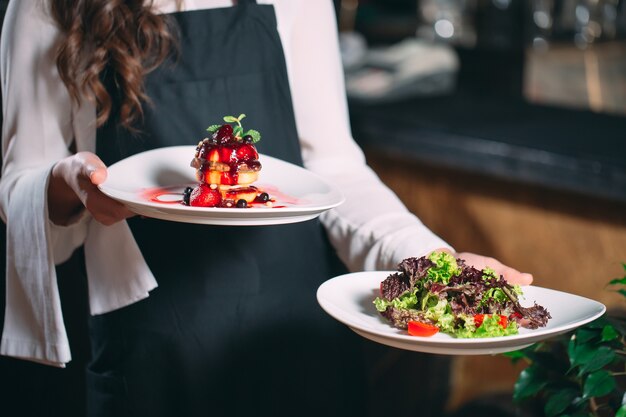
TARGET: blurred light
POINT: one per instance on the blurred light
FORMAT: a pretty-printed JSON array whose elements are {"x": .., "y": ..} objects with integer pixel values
[
  {"x": 581, "y": 41},
  {"x": 540, "y": 44},
  {"x": 444, "y": 28},
  {"x": 542, "y": 19},
  {"x": 501, "y": 4},
  {"x": 594, "y": 29},
  {"x": 582, "y": 14}
]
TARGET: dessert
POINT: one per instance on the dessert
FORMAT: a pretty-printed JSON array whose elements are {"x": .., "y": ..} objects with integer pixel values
[
  {"x": 227, "y": 164},
  {"x": 441, "y": 293}
]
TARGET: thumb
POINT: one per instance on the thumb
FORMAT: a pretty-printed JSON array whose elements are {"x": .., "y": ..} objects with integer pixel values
[
  {"x": 97, "y": 174},
  {"x": 93, "y": 167}
]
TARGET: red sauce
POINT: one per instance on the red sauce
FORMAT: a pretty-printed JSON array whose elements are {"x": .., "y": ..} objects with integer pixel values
[{"x": 174, "y": 195}]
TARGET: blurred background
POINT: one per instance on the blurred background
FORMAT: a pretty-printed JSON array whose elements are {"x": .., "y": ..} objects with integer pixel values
[{"x": 502, "y": 125}]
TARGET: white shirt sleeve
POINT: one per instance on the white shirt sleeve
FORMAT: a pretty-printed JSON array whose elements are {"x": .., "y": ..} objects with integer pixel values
[
  {"x": 37, "y": 131},
  {"x": 372, "y": 229},
  {"x": 38, "y": 125}
]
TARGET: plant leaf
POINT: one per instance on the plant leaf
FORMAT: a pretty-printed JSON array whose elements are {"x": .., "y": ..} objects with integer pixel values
[
  {"x": 530, "y": 381},
  {"x": 241, "y": 116},
  {"x": 603, "y": 356},
  {"x": 609, "y": 333},
  {"x": 237, "y": 131},
  {"x": 230, "y": 119},
  {"x": 580, "y": 354},
  {"x": 213, "y": 128},
  {"x": 618, "y": 281},
  {"x": 559, "y": 401},
  {"x": 515, "y": 355},
  {"x": 598, "y": 384},
  {"x": 623, "y": 292},
  {"x": 584, "y": 334},
  {"x": 621, "y": 412},
  {"x": 598, "y": 323},
  {"x": 256, "y": 136}
]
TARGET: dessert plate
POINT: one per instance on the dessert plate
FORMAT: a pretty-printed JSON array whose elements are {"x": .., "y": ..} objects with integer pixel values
[
  {"x": 349, "y": 299},
  {"x": 151, "y": 184}
]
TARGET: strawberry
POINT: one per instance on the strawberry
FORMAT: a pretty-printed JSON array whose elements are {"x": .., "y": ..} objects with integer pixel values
[
  {"x": 247, "y": 152},
  {"x": 205, "y": 196},
  {"x": 227, "y": 154}
]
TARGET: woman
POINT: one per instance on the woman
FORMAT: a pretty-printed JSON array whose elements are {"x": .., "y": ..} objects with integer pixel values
[{"x": 233, "y": 327}]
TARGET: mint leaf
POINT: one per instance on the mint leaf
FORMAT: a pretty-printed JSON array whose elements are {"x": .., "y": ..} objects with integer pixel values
[
  {"x": 230, "y": 119},
  {"x": 237, "y": 131},
  {"x": 241, "y": 116},
  {"x": 213, "y": 128},
  {"x": 256, "y": 136}
]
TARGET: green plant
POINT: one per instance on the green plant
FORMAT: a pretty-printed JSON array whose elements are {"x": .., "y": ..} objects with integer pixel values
[{"x": 581, "y": 373}]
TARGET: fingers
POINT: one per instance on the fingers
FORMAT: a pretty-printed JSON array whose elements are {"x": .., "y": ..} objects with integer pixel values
[
  {"x": 512, "y": 275},
  {"x": 85, "y": 173},
  {"x": 104, "y": 209}
]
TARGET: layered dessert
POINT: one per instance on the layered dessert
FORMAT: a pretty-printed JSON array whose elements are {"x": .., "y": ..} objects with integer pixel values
[{"x": 227, "y": 164}]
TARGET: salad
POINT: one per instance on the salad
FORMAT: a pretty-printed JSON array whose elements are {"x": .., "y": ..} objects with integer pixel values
[{"x": 442, "y": 293}]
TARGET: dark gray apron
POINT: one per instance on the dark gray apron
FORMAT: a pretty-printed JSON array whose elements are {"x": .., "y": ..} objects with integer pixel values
[{"x": 234, "y": 328}]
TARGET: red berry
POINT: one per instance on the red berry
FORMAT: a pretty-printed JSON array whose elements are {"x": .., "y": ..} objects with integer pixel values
[
  {"x": 224, "y": 134},
  {"x": 247, "y": 152},
  {"x": 227, "y": 154},
  {"x": 204, "y": 196},
  {"x": 227, "y": 178}
]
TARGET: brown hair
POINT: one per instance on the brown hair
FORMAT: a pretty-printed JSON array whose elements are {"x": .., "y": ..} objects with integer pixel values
[{"x": 126, "y": 35}]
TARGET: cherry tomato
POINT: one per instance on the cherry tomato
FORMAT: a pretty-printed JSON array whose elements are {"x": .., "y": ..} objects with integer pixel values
[
  {"x": 417, "y": 328},
  {"x": 479, "y": 318}
]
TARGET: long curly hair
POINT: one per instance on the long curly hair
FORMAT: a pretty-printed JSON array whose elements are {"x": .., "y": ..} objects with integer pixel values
[{"x": 125, "y": 35}]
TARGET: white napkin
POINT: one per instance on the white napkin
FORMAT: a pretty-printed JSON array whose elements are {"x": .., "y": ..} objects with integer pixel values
[{"x": 117, "y": 276}]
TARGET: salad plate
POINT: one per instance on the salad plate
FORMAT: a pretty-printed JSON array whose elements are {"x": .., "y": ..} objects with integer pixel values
[
  {"x": 151, "y": 184},
  {"x": 349, "y": 299}
]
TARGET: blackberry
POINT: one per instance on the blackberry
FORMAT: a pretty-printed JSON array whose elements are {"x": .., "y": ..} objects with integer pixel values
[
  {"x": 263, "y": 198},
  {"x": 187, "y": 195}
]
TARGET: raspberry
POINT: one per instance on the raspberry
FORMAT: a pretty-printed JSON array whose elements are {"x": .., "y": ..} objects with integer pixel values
[{"x": 204, "y": 196}]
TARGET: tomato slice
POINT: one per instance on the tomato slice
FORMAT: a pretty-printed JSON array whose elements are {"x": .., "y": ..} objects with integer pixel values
[
  {"x": 479, "y": 318},
  {"x": 417, "y": 328}
]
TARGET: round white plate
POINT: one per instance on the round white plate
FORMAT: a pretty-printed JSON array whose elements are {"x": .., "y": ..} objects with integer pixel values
[
  {"x": 300, "y": 194},
  {"x": 349, "y": 299}
]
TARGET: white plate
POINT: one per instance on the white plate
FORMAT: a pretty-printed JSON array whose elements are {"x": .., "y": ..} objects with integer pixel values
[
  {"x": 349, "y": 299},
  {"x": 300, "y": 194}
]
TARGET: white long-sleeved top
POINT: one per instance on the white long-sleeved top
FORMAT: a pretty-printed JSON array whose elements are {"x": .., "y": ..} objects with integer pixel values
[{"x": 371, "y": 230}]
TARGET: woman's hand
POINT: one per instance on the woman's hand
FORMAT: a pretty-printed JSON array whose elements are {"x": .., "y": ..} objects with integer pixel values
[
  {"x": 73, "y": 187},
  {"x": 512, "y": 276}
]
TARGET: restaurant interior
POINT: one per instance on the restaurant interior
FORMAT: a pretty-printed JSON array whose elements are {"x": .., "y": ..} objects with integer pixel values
[
  {"x": 502, "y": 125},
  {"x": 513, "y": 147}
]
